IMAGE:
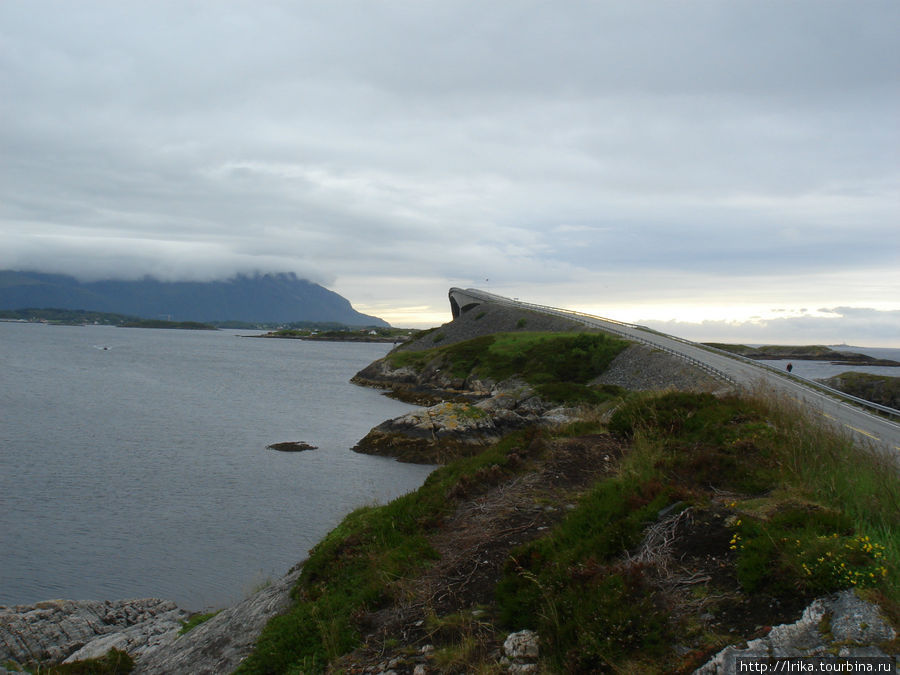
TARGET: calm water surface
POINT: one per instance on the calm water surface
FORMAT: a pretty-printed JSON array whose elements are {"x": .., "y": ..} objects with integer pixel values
[{"x": 133, "y": 462}]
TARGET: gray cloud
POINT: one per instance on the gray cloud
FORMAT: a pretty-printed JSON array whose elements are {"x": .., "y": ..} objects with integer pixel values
[{"x": 387, "y": 149}]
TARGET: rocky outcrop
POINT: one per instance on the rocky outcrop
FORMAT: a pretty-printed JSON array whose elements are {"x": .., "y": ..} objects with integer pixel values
[
  {"x": 427, "y": 386},
  {"x": 68, "y": 630},
  {"x": 221, "y": 643},
  {"x": 804, "y": 353},
  {"x": 148, "y": 630},
  {"x": 292, "y": 446},
  {"x": 464, "y": 414},
  {"x": 448, "y": 430},
  {"x": 838, "y": 625}
]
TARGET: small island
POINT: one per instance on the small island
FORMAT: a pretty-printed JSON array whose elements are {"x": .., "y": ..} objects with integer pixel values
[{"x": 344, "y": 334}]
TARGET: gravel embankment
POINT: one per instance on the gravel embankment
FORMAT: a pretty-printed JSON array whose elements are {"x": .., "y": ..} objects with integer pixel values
[{"x": 643, "y": 368}]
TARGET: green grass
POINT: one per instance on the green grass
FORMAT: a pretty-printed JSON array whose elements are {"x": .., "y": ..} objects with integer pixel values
[
  {"x": 816, "y": 491},
  {"x": 347, "y": 572},
  {"x": 588, "y": 611},
  {"x": 194, "y": 621},
  {"x": 829, "y": 469},
  {"x": 808, "y": 549}
]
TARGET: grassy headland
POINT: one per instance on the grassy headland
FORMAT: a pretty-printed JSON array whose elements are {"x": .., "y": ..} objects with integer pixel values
[{"x": 640, "y": 542}]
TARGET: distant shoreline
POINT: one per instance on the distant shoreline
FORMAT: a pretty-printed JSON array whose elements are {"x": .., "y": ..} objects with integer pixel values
[
  {"x": 346, "y": 334},
  {"x": 331, "y": 338}
]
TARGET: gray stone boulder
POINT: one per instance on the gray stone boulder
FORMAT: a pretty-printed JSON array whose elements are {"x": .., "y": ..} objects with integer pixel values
[
  {"x": 447, "y": 430},
  {"x": 521, "y": 651}
]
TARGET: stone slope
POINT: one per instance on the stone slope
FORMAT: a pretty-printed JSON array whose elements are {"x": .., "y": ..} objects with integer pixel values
[{"x": 221, "y": 643}]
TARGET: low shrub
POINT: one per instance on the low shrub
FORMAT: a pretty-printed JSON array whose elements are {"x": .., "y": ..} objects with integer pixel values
[
  {"x": 807, "y": 549},
  {"x": 707, "y": 441},
  {"x": 588, "y": 610}
]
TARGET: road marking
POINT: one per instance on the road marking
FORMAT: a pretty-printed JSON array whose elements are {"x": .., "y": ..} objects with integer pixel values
[{"x": 864, "y": 433}]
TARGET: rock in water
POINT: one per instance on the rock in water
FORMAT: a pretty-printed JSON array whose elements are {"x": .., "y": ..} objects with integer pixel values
[{"x": 292, "y": 446}]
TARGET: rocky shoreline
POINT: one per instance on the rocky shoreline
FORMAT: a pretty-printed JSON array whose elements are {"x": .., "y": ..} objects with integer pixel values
[{"x": 149, "y": 630}]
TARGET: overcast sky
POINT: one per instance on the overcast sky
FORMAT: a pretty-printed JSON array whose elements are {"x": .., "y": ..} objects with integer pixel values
[{"x": 725, "y": 161}]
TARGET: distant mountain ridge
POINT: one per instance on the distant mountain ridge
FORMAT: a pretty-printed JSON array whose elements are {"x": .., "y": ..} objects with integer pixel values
[{"x": 263, "y": 298}]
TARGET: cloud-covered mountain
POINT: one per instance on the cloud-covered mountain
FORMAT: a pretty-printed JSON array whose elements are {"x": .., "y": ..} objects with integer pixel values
[{"x": 268, "y": 298}]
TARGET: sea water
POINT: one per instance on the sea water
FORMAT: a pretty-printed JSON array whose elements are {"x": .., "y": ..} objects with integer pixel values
[{"x": 133, "y": 462}]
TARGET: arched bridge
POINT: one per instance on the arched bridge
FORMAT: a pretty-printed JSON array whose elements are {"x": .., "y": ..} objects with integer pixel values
[{"x": 738, "y": 370}]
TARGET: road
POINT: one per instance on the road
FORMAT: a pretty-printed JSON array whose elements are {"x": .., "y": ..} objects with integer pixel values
[{"x": 867, "y": 428}]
